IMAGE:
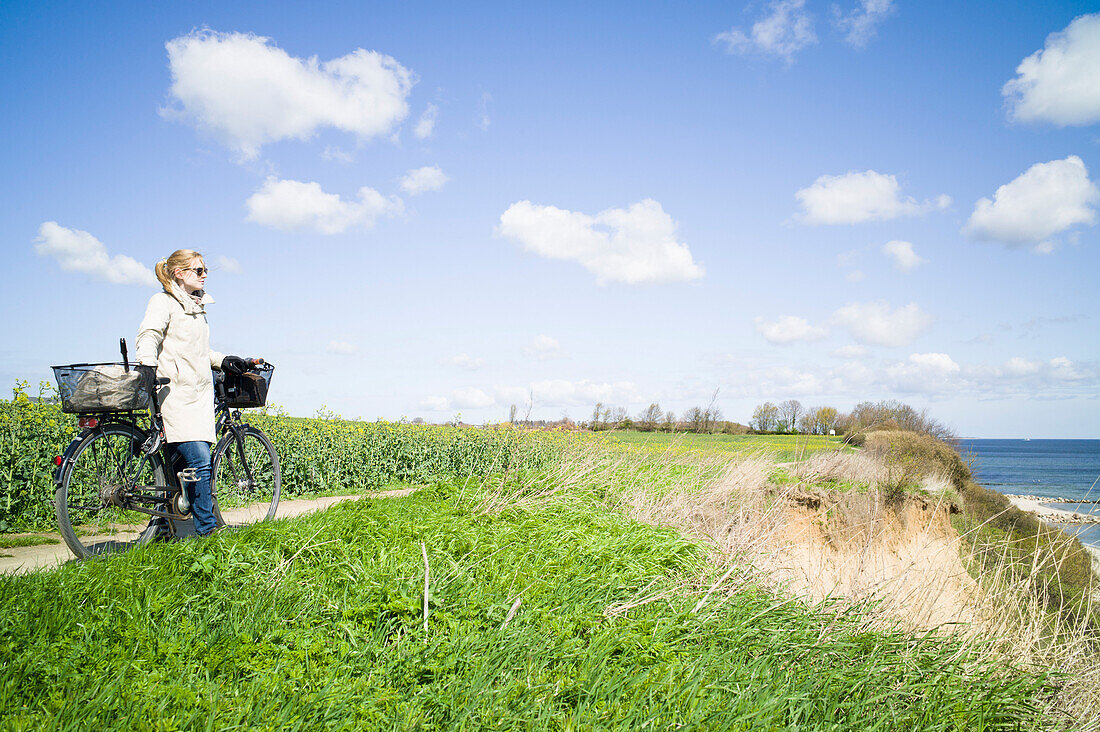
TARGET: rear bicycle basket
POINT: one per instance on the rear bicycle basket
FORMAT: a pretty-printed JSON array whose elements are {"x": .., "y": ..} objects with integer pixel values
[
  {"x": 96, "y": 388},
  {"x": 250, "y": 388}
]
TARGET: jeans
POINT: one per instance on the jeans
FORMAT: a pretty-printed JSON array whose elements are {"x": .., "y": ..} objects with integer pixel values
[{"x": 197, "y": 455}]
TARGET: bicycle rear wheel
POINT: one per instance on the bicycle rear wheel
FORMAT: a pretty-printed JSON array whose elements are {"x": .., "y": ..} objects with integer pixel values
[
  {"x": 246, "y": 480},
  {"x": 104, "y": 471}
]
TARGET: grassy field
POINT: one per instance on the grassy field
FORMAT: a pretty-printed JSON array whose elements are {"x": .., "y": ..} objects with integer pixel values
[
  {"x": 562, "y": 615},
  {"x": 781, "y": 448}
]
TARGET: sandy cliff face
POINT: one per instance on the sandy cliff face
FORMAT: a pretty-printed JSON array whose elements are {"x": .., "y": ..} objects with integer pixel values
[{"x": 903, "y": 554}]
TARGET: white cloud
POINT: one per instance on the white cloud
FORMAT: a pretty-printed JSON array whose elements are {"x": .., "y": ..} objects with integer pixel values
[
  {"x": 435, "y": 404},
  {"x": 248, "y": 92},
  {"x": 471, "y": 398},
  {"x": 79, "y": 251},
  {"x": 924, "y": 373},
  {"x": 1061, "y": 83},
  {"x": 788, "y": 329},
  {"x": 856, "y": 197},
  {"x": 426, "y": 124},
  {"x": 227, "y": 264},
  {"x": 634, "y": 245},
  {"x": 342, "y": 348},
  {"x": 464, "y": 361},
  {"x": 1017, "y": 366},
  {"x": 787, "y": 29},
  {"x": 563, "y": 393},
  {"x": 855, "y": 275},
  {"x": 291, "y": 205},
  {"x": 428, "y": 178},
  {"x": 335, "y": 153},
  {"x": 861, "y": 23},
  {"x": 902, "y": 252},
  {"x": 1045, "y": 200},
  {"x": 873, "y": 323},
  {"x": 849, "y": 352},
  {"x": 483, "y": 111},
  {"x": 543, "y": 348}
]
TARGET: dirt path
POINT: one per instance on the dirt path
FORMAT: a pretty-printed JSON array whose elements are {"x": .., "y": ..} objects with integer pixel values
[{"x": 31, "y": 558}]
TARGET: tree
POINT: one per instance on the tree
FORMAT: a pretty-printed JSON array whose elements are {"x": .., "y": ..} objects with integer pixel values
[
  {"x": 618, "y": 416},
  {"x": 512, "y": 414},
  {"x": 694, "y": 418},
  {"x": 826, "y": 419},
  {"x": 650, "y": 416},
  {"x": 819, "y": 420},
  {"x": 669, "y": 422},
  {"x": 765, "y": 417},
  {"x": 789, "y": 412},
  {"x": 597, "y": 412}
]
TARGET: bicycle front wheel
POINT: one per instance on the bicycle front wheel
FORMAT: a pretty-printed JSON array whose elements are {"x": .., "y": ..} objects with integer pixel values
[
  {"x": 107, "y": 477},
  {"x": 246, "y": 478}
]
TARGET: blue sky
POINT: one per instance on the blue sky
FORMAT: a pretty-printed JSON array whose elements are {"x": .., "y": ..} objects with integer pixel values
[{"x": 433, "y": 210}]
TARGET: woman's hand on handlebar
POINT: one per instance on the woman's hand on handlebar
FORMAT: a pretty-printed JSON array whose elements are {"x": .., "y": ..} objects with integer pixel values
[{"x": 235, "y": 365}]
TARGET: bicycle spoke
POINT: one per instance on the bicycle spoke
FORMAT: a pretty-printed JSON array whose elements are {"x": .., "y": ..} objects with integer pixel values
[{"x": 107, "y": 480}]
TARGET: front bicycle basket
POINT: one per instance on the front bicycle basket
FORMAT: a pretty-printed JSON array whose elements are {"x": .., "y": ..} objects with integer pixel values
[
  {"x": 92, "y": 388},
  {"x": 250, "y": 388}
]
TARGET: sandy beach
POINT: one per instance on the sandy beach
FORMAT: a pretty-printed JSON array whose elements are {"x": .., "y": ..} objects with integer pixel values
[{"x": 1036, "y": 505}]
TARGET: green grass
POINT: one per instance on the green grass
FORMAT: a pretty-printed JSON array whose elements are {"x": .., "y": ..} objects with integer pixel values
[
  {"x": 8, "y": 541},
  {"x": 783, "y": 448},
  {"x": 317, "y": 623}
]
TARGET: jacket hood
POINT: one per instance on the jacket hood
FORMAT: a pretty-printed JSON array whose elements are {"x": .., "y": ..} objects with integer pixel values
[{"x": 189, "y": 305}]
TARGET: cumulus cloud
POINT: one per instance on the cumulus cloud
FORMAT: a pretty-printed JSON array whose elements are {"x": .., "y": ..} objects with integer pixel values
[
  {"x": 873, "y": 323},
  {"x": 342, "y": 348},
  {"x": 861, "y": 23},
  {"x": 786, "y": 29},
  {"x": 227, "y": 264},
  {"x": 923, "y": 373},
  {"x": 428, "y": 178},
  {"x": 849, "y": 351},
  {"x": 471, "y": 397},
  {"x": 788, "y": 329},
  {"x": 464, "y": 361},
  {"x": 633, "y": 245},
  {"x": 79, "y": 251},
  {"x": 856, "y": 197},
  {"x": 543, "y": 348},
  {"x": 435, "y": 404},
  {"x": 564, "y": 393},
  {"x": 248, "y": 92},
  {"x": 1061, "y": 83},
  {"x": 903, "y": 255},
  {"x": 291, "y": 205},
  {"x": 1045, "y": 200},
  {"x": 426, "y": 124}
]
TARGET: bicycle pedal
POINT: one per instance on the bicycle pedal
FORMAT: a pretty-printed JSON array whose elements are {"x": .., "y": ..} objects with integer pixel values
[{"x": 188, "y": 475}]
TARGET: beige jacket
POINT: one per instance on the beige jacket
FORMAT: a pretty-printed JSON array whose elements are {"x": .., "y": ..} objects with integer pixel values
[{"x": 175, "y": 337}]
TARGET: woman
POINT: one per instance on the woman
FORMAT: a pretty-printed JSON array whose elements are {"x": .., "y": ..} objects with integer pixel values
[{"x": 174, "y": 342}]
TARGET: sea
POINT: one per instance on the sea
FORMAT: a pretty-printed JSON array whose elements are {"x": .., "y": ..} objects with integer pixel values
[{"x": 1055, "y": 469}]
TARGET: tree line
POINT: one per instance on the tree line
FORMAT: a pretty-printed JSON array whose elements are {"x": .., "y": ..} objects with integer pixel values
[{"x": 787, "y": 417}]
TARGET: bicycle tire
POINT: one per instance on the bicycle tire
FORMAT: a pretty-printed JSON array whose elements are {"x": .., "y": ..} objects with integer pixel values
[
  {"x": 248, "y": 481},
  {"x": 107, "y": 456}
]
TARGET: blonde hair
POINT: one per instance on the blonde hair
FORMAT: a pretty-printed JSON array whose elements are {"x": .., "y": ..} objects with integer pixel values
[{"x": 179, "y": 259}]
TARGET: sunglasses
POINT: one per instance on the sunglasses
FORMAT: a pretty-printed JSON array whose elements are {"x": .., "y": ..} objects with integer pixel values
[{"x": 200, "y": 271}]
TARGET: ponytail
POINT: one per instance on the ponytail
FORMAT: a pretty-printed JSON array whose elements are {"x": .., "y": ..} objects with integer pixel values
[{"x": 180, "y": 259}]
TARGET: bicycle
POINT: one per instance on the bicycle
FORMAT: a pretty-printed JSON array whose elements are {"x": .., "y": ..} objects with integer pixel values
[{"x": 116, "y": 482}]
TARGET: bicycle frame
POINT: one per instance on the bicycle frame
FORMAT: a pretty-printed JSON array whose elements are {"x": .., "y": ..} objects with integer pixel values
[{"x": 142, "y": 498}]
